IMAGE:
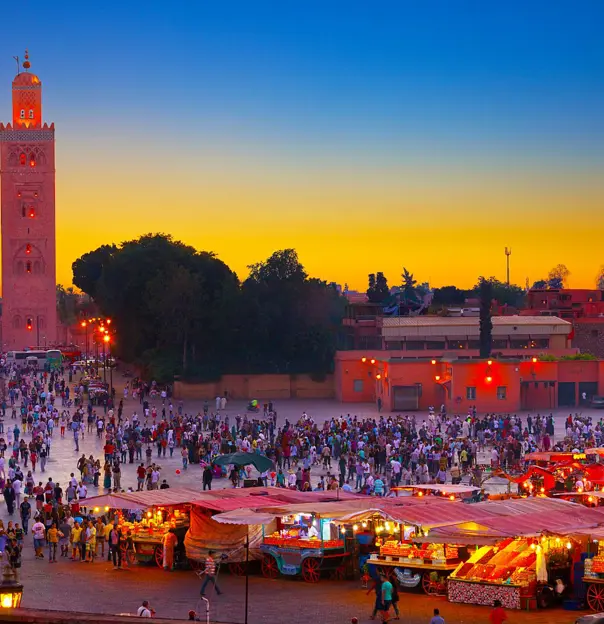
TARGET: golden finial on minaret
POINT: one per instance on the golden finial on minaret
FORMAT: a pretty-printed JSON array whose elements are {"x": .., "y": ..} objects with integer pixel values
[{"x": 26, "y": 63}]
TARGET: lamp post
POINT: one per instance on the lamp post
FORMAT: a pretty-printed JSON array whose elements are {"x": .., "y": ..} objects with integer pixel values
[
  {"x": 84, "y": 324},
  {"x": 11, "y": 591},
  {"x": 105, "y": 343}
]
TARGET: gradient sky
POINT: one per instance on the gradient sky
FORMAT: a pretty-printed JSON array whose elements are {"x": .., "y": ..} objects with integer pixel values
[{"x": 367, "y": 135}]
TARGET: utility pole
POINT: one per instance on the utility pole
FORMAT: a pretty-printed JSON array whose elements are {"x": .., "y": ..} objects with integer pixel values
[{"x": 508, "y": 253}]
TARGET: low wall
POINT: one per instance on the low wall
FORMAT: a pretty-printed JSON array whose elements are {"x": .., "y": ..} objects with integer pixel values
[
  {"x": 261, "y": 387},
  {"x": 73, "y": 617}
]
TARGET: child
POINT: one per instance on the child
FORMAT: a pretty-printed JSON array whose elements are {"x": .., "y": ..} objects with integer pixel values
[
  {"x": 129, "y": 553},
  {"x": 14, "y": 557},
  {"x": 19, "y": 534}
]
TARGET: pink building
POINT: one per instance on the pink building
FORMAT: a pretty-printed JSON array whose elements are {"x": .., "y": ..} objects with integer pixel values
[{"x": 27, "y": 177}]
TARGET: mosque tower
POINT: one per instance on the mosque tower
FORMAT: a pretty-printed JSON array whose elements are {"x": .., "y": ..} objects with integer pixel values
[{"x": 27, "y": 196}]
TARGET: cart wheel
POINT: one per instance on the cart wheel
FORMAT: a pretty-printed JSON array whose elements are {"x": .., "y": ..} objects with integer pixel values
[
  {"x": 159, "y": 556},
  {"x": 195, "y": 564},
  {"x": 269, "y": 567},
  {"x": 427, "y": 583},
  {"x": 339, "y": 573},
  {"x": 311, "y": 570},
  {"x": 595, "y": 597},
  {"x": 237, "y": 568}
]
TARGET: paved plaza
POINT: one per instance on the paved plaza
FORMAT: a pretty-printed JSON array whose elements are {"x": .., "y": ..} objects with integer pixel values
[{"x": 97, "y": 588}]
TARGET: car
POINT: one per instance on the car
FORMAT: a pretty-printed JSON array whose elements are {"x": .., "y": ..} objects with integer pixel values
[
  {"x": 597, "y": 402},
  {"x": 592, "y": 618}
]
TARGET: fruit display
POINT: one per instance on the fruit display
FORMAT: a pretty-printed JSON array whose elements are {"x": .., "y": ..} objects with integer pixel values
[{"x": 510, "y": 562}]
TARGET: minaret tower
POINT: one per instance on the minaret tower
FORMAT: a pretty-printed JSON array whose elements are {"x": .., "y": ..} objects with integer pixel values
[{"x": 27, "y": 179}]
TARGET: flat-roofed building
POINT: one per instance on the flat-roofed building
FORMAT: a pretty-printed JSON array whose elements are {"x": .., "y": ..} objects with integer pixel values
[{"x": 513, "y": 336}]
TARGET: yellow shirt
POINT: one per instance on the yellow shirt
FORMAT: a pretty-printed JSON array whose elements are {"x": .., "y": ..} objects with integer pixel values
[
  {"x": 53, "y": 536},
  {"x": 76, "y": 533}
]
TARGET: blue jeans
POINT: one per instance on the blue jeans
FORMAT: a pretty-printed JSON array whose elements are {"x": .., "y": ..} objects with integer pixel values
[{"x": 209, "y": 579}]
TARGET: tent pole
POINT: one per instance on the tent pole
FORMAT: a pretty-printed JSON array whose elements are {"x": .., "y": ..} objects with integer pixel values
[{"x": 247, "y": 571}]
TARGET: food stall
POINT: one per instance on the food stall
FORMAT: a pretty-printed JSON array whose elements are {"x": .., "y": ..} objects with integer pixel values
[
  {"x": 149, "y": 532},
  {"x": 305, "y": 544},
  {"x": 401, "y": 551}
]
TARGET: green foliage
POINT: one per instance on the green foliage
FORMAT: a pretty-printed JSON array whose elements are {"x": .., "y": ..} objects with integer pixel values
[
  {"x": 600, "y": 278},
  {"x": 556, "y": 278},
  {"x": 548, "y": 358},
  {"x": 585, "y": 357},
  {"x": 378, "y": 291},
  {"x": 486, "y": 323},
  {"x": 178, "y": 311},
  {"x": 449, "y": 296},
  {"x": 67, "y": 305},
  {"x": 511, "y": 295}
]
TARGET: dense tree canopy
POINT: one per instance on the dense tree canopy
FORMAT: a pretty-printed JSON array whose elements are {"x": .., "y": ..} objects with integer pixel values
[{"x": 180, "y": 311}]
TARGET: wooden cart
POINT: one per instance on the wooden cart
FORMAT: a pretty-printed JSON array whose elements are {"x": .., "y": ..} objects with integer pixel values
[{"x": 594, "y": 593}]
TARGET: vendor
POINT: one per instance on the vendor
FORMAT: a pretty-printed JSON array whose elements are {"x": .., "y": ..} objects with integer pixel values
[{"x": 310, "y": 531}]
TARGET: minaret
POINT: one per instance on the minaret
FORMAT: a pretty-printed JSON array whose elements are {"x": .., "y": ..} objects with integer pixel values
[{"x": 27, "y": 178}]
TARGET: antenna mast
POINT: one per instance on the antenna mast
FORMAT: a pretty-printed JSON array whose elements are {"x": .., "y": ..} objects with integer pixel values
[{"x": 508, "y": 253}]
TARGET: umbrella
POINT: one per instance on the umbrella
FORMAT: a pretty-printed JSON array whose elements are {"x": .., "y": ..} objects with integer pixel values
[{"x": 260, "y": 462}]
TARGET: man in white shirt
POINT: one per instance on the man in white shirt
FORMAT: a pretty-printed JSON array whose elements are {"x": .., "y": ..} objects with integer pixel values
[
  {"x": 82, "y": 491},
  {"x": 17, "y": 489},
  {"x": 144, "y": 610}
]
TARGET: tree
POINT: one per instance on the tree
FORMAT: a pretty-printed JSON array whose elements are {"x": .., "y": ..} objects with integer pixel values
[
  {"x": 501, "y": 292},
  {"x": 449, "y": 296},
  {"x": 378, "y": 290},
  {"x": 67, "y": 304},
  {"x": 600, "y": 278},
  {"x": 540, "y": 285},
  {"x": 557, "y": 277},
  {"x": 486, "y": 323},
  {"x": 409, "y": 287},
  {"x": 181, "y": 311}
]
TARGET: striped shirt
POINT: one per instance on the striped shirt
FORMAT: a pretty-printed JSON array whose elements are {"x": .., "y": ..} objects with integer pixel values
[{"x": 210, "y": 566}]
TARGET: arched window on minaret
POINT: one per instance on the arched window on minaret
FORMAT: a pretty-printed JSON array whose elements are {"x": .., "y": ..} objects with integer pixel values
[
  {"x": 28, "y": 267},
  {"x": 37, "y": 267},
  {"x": 31, "y": 113},
  {"x": 22, "y": 113},
  {"x": 19, "y": 268},
  {"x": 22, "y": 158},
  {"x": 32, "y": 160}
]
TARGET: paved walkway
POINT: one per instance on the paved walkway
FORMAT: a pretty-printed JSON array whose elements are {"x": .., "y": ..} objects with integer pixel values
[{"x": 98, "y": 588}]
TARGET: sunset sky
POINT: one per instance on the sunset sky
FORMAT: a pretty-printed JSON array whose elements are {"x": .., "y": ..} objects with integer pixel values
[{"x": 367, "y": 135}]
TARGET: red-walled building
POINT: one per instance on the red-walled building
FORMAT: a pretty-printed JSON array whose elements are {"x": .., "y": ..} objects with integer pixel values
[
  {"x": 584, "y": 308},
  {"x": 500, "y": 386}
]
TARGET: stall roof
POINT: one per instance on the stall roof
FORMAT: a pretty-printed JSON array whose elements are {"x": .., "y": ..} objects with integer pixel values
[
  {"x": 444, "y": 488},
  {"x": 114, "y": 501}
]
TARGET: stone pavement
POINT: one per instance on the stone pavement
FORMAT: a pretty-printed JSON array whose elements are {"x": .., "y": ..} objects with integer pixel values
[{"x": 98, "y": 588}]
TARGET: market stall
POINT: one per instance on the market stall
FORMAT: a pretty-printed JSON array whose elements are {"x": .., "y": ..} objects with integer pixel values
[{"x": 305, "y": 544}]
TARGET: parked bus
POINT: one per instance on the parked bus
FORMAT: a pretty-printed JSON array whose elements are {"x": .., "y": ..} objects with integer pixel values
[
  {"x": 54, "y": 359},
  {"x": 23, "y": 359}
]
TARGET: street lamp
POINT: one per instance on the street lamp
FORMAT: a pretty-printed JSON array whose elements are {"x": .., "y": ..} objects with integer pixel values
[
  {"x": 11, "y": 591},
  {"x": 84, "y": 324},
  {"x": 105, "y": 343}
]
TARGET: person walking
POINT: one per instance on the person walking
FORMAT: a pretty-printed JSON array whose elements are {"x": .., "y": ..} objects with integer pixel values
[
  {"x": 210, "y": 574},
  {"x": 39, "y": 533},
  {"x": 115, "y": 543},
  {"x": 497, "y": 615},
  {"x": 437, "y": 619},
  {"x": 52, "y": 536},
  {"x": 25, "y": 513}
]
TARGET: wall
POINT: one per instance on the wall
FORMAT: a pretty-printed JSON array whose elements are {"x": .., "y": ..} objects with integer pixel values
[
  {"x": 589, "y": 336},
  {"x": 70, "y": 617},
  {"x": 261, "y": 387}
]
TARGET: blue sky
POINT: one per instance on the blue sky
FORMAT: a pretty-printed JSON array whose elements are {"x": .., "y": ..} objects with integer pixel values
[{"x": 383, "y": 100}]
